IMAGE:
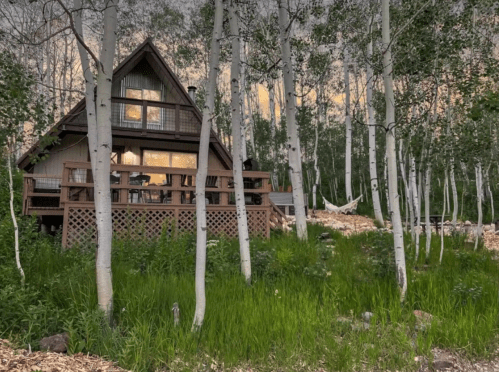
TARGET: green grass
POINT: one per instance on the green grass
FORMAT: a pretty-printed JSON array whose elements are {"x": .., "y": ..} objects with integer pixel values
[{"x": 288, "y": 318}]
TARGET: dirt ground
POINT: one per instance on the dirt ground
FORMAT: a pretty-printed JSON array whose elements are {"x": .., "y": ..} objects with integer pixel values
[
  {"x": 348, "y": 224},
  {"x": 351, "y": 224}
]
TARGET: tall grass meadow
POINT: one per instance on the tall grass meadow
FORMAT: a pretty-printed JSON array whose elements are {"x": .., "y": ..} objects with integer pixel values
[{"x": 303, "y": 309}]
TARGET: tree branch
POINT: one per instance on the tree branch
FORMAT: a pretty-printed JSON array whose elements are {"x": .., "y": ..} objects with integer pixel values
[{"x": 77, "y": 35}]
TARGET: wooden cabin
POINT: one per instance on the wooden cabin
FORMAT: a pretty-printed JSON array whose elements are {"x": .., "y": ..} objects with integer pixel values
[{"x": 156, "y": 127}]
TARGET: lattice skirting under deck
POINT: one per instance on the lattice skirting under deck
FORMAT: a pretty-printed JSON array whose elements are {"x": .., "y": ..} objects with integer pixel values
[{"x": 80, "y": 227}]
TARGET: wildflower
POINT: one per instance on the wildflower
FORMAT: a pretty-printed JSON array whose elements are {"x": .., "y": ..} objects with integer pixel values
[
  {"x": 328, "y": 273},
  {"x": 276, "y": 292}
]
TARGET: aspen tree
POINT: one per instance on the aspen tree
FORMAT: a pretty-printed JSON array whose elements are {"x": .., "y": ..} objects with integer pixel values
[
  {"x": 242, "y": 219},
  {"x": 373, "y": 171},
  {"x": 398, "y": 235},
  {"x": 443, "y": 215},
  {"x": 204, "y": 143},
  {"x": 294, "y": 152},
  {"x": 98, "y": 105},
  {"x": 348, "y": 128},
  {"x": 479, "y": 198}
]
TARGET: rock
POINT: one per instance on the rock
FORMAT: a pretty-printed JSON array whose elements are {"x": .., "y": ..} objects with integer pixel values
[
  {"x": 325, "y": 235},
  {"x": 56, "y": 343},
  {"x": 344, "y": 320},
  {"x": 421, "y": 316},
  {"x": 467, "y": 223},
  {"x": 420, "y": 328},
  {"x": 442, "y": 365},
  {"x": 367, "y": 316},
  {"x": 360, "y": 326}
]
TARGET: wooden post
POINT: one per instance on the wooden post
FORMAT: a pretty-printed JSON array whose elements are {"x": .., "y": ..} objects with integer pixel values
[
  {"x": 124, "y": 180},
  {"x": 144, "y": 115},
  {"x": 224, "y": 196},
  {"x": 177, "y": 118},
  {"x": 176, "y": 314},
  {"x": 176, "y": 184},
  {"x": 65, "y": 227},
  {"x": 64, "y": 189},
  {"x": 267, "y": 223}
]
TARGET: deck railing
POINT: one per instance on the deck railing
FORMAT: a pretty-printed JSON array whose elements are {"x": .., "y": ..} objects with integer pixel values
[
  {"x": 138, "y": 184},
  {"x": 41, "y": 192}
]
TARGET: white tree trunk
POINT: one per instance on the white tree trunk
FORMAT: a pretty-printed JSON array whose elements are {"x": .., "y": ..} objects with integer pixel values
[
  {"x": 385, "y": 176},
  {"x": 429, "y": 172},
  {"x": 443, "y": 215},
  {"x": 398, "y": 236},
  {"x": 250, "y": 122},
  {"x": 294, "y": 153},
  {"x": 89, "y": 88},
  {"x": 242, "y": 218},
  {"x": 14, "y": 219},
  {"x": 489, "y": 191},
  {"x": 373, "y": 171},
  {"x": 348, "y": 127},
  {"x": 427, "y": 207},
  {"x": 407, "y": 188},
  {"x": 316, "y": 166},
  {"x": 244, "y": 122},
  {"x": 102, "y": 182},
  {"x": 455, "y": 202},
  {"x": 275, "y": 180},
  {"x": 479, "y": 196},
  {"x": 204, "y": 143},
  {"x": 100, "y": 145},
  {"x": 417, "y": 206}
]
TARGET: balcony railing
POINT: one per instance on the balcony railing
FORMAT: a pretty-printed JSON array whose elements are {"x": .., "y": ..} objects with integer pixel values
[
  {"x": 150, "y": 115},
  {"x": 133, "y": 184}
]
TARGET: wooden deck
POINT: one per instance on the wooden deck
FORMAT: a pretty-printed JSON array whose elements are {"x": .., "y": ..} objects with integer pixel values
[{"x": 144, "y": 209}]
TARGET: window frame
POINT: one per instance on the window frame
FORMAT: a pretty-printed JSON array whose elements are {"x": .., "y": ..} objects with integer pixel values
[
  {"x": 140, "y": 120},
  {"x": 143, "y": 149}
]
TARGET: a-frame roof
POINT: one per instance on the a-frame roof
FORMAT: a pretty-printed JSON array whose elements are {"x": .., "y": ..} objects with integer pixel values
[{"x": 149, "y": 52}]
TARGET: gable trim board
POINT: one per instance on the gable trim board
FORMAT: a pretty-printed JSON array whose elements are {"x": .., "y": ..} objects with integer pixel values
[{"x": 146, "y": 51}]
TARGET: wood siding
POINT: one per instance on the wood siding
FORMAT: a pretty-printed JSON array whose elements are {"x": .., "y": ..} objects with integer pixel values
[
  {"x": 143, "y": 76},
  {"x": 71, "y": 148}
]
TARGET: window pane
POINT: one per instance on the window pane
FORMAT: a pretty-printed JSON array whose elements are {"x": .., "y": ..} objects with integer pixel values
[
  {"x": 157, "y": 158},
  {"x": 130, "y": 158},
  {"x": 152, "y": 114},
  {"x": 133, "y": 112},
  {"x": 134, "y": 93},
  {"x": 152, "y": 95},
  {"x": 183, "y": 160}
]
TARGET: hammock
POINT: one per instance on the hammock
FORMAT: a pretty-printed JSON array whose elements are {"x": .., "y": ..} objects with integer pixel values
[{"x": 346, "y": 209}]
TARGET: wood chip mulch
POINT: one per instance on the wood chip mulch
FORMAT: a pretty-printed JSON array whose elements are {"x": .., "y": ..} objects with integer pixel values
[
  {"x": 491, "y": 241},
  {"x": 23, "y": 361}
]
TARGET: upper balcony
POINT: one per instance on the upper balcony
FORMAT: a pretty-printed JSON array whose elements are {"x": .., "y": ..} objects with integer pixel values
[{"x": 146, "y": 115}]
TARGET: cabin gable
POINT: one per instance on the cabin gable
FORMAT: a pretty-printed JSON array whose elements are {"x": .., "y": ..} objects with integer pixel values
[{"x": 148, "y": 102}]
